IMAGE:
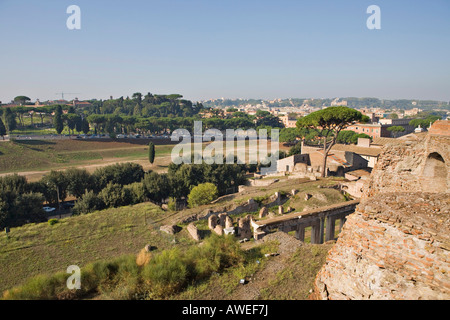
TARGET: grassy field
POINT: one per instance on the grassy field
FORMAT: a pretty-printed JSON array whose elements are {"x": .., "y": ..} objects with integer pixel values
[
  {"x": 42, "y": 248},
  {"x": 31, "y": 156}
]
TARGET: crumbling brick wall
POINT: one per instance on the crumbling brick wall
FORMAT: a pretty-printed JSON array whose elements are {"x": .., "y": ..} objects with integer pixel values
[{"x": 397, "y": 243}]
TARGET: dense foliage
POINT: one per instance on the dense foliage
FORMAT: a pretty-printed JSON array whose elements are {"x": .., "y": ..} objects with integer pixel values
[
  {"x": 202, "y": 194},
  {"x": 111, "y": 186}
]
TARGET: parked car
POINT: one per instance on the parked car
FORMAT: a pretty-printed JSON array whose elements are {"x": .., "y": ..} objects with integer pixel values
[{"x": 48, "y": 209}]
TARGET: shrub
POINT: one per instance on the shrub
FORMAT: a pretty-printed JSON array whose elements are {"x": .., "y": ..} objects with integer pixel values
[
  {"x": 53, "y": 221},
  {"x": 216, "y": 254},
  {"x": 136, "y": 192},
  {"x": 42, "y": 287},
  {"x": 202, "y": 194},
  {"x": 172, "y": 204},
  {"x": 117, "y": 279},
  {"x": 166, "y": 273}
]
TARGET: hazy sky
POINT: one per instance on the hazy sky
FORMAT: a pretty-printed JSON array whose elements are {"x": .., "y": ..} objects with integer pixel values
[{"x": 225, "y": 48}]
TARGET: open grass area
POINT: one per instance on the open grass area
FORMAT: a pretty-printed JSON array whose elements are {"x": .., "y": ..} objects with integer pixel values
[
  {"x": 42, "y": 155},
  {"x": 43, "y": 248}
]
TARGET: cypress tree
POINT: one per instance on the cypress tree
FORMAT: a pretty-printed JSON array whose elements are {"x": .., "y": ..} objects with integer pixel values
[
  {"x": 58, "y": 121},
  {"x": 2, "y": 129},
  {"x": 151, "y": 152}
]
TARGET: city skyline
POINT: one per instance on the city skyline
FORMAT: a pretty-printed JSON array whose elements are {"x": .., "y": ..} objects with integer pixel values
[{"x": 208, "y": 50}]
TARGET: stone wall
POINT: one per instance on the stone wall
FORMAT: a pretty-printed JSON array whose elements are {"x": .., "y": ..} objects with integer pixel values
[
  {"x": 386, "y": 252},
  {"x": 404, "y": 166},
  {"x": 397, "y": 243}
]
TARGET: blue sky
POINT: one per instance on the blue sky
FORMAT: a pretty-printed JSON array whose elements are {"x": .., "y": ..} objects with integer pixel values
[{"x": 229, "y": 48}]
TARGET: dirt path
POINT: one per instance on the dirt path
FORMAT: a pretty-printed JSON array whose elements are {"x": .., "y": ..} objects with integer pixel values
[{"x": 160, "y": 165}]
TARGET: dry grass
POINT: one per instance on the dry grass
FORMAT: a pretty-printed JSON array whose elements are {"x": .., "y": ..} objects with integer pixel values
[{"x": 42, "y": 248}]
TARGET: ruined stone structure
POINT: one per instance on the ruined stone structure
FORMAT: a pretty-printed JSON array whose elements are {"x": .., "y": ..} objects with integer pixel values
[
  {"x": 316, "y": 219},
  {"x": 244, "y": 227},
  {"x": 397, "y": 243},
  {"x": 193, "y": 231}
]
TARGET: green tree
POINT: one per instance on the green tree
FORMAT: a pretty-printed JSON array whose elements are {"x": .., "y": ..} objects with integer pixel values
[
  {"x": 21, "y": 99},
  {"x": 85, "y": 126},
  {"x": 79, "y": 181},
  {"x": 88, "y": 203},
  {"x": 28, "y": 208},
  {"x": 11, "y": 187},
  {"x": 151, "y": 152},
  {"x": 202, "y": 194},
  {"x": 395, "y": 130},
  {"x": 9, "y": 120},
  {"x": 137, "y": 192},
  {"x": 288, "y": 134},
  {"x": 57, "y": 183},
  {"x": 2, "y": 129},
  {"x": 296, "y": 149},
  {"x": 58, "y": 120},
  {"x": 115, "y": 195},
  {"x": 138, "y": 97},
  {"x": 157, "y": 186},
  {"x": 329, "y": 123},
  {"x": 121, "y": 173},
  {"x": 346, "y": 136}
]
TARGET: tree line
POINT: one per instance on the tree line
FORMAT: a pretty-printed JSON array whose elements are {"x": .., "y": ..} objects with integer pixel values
[
  {"x": 111, "y": 186},
  {"x": 115, "y": 116}
]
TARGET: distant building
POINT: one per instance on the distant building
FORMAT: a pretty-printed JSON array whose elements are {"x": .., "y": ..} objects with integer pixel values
[
  {"x": 374, "y": 130},
  {"x": 341, "y": 159},
  {"x": 338, "y": 102},
  {"x": 412, "y": 112},
  {"x": 288, "y": 122},
  {"x": 380, "y": 128},
  {"x": 288, "y": 164},
  {"x": 80, "y": 104}
]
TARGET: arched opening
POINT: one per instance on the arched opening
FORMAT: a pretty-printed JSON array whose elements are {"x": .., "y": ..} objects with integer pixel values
[{"x": 434, "y": 174}]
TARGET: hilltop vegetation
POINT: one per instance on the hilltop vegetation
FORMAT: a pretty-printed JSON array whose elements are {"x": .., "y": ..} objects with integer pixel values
[{"x": 49, "y": 248}]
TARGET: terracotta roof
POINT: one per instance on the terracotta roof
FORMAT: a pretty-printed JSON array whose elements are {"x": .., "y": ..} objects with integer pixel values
[{"x": 372, "y": 151}]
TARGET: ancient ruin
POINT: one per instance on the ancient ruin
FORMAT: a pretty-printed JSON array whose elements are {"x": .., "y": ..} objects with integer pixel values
[{"x": 396, "y": 245}]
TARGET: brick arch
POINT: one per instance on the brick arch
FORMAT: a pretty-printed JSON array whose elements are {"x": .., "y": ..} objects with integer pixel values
[{"x": 434, "y": 174}]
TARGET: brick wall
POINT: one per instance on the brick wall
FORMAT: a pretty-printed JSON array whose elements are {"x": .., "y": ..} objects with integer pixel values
[
  {"x": 397, "y": 243},
  {"x": 441, "y": 127},
  {"x": 383, "y": 253}
]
